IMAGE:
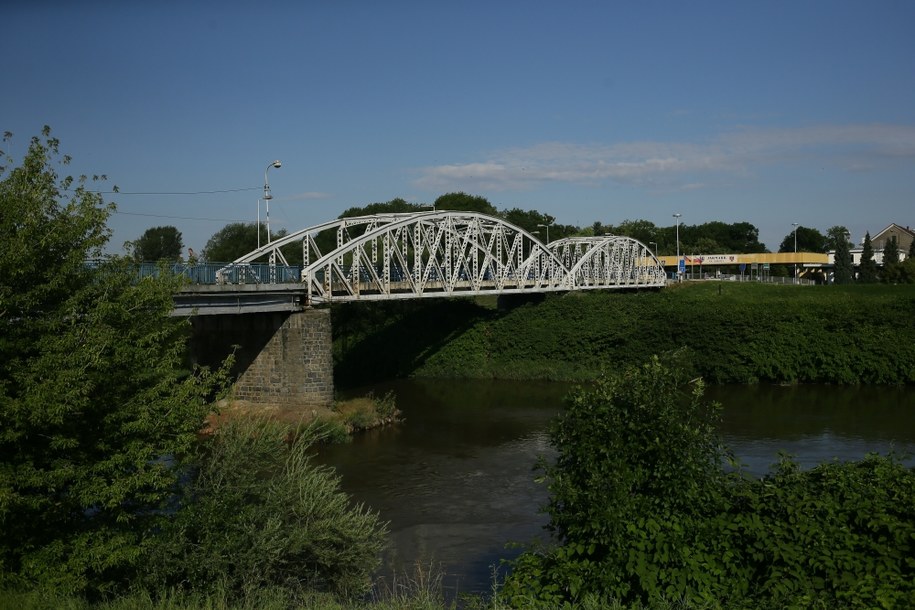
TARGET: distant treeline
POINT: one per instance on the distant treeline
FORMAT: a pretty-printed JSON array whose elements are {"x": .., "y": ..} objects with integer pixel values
[
  {"x": 737, "y": 333},
  {"x": 240, "y": 238}
]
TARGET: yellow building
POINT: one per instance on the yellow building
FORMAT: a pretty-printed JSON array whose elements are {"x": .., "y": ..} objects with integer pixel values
[{"x": 771, "y": 258}]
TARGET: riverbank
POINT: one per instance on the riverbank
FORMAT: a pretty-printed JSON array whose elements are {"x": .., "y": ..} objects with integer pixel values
[
  {"x": 736, "y": 333},
  {"x": 339, "y": 421}
]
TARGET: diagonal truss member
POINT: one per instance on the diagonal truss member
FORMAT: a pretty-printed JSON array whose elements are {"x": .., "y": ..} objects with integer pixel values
[{"x": 446, "y": 253}]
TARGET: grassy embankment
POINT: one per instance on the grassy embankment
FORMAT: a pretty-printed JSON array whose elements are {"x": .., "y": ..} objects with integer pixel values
[
  {"x": 337, "y": 421},
  {"x": 738, "y": 333}
]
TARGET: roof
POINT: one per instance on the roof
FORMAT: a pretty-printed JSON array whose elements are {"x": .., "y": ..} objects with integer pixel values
[{"x": 890, "y": 228}]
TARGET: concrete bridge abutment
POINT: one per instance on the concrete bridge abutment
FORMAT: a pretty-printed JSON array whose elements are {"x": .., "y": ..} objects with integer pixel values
[{"x": 283, "y": 359}]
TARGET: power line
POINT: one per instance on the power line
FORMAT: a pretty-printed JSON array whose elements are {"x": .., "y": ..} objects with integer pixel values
[
  {"x": 239, "y": 190},
  {"x": 181, "y": 217}
]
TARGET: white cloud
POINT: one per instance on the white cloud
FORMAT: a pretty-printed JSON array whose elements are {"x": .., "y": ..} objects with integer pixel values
[{"x": 679, "y": 165}]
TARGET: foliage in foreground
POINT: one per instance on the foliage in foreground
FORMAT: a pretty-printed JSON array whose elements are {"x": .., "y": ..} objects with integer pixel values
[
  {"x": 94, "y": 391},
  {"x": 260, "y": 514},
  {"x": 643, "y": 510},
  {"x": 105, "y": 484}
]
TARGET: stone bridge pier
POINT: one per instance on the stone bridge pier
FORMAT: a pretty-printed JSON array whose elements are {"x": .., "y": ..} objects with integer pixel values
[{"x": 281, "y": 358}]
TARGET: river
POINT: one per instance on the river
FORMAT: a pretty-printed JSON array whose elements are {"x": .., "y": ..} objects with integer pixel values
[{"x": 455, "y": 480}]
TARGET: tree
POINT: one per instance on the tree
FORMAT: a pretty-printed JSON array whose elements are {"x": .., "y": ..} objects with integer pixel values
[
  {"x": 465, "y": 203},
  {"x": 707, "y": 245},
  {"x": 808, "y": 240},
  {"x": 643, "y": 512},
  {"x": 643, "y": 230},
  {"x": 844, "y": 266},
  {"x": 157, "y": 244},
  {"x": 891, "y": 270},
  {"x": 891, "y": 252},
  {"x": 911, "y": 255},
  {"x": 743, "y": 237},
  {"x": 394, "y": 206},
  {"x": 867, "y": 269},
  {"x": 836, "y": 235},
  {"x": 639, "y": 446},
  {"x": 530, "y": 221},
  {"x": 95, "y": 397},
  {"x": 907, "y": 271},
  {"x": 233, "y": 241},
  {"x": 239, "y": 238}
]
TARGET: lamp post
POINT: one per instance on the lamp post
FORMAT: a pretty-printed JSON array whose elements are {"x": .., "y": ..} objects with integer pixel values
[
  {"x": 268, "y": 196},
  {"x": 794, "y": 224},
  {"x": 655, "y": 246},
  {"x": 677, "y": 216},
  {"x": 547, "y": 227}
]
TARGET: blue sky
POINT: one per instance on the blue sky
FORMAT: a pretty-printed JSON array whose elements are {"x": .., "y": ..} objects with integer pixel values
[{"x": 767, "y": 112}]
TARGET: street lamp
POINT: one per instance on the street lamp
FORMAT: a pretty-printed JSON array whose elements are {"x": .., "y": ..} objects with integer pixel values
[
  {"x": 655, "y": 246},
  {"x": 794, "y": 224},
  {"x": 677, "y": 216},
  {"x": 547, "y": 227},
  {"x": 268, "y": 196}
]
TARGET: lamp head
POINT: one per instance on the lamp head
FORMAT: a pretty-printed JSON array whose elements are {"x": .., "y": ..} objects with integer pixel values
[{"x": 277, "y": 164}]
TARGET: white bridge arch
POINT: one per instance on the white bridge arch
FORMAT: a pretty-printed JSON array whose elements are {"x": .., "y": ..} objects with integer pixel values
[{"x": 445, "y": 253}]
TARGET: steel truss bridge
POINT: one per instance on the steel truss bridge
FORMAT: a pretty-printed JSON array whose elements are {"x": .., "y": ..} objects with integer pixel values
[{"x": 429, "y": 254}]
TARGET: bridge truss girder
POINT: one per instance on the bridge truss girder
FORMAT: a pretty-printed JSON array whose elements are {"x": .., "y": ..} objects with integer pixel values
[
  {"x": 609, "y": 261},
  {"x": 449, "y": 253}
]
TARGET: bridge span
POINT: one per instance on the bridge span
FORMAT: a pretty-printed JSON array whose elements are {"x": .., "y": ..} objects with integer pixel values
[
  {"x": 283, "y": 345},
  {"x": 417, "y": 255}
]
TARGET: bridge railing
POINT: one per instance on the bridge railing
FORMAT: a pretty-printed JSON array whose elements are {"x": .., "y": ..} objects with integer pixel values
[
  {"x": 226, "y": 273},
  {"x": 256, "y": 273}
]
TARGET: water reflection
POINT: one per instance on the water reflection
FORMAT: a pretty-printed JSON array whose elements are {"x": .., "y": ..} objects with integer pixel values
[
  {"x": 814, "y": 423},
  {"x": 456, "y": 480}
]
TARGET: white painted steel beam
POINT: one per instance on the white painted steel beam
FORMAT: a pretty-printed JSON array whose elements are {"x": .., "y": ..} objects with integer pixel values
[{"x": 449, "y": 253}]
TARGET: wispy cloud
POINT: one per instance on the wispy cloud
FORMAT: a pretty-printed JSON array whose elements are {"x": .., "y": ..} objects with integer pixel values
[{"x": 679, "y": 165}]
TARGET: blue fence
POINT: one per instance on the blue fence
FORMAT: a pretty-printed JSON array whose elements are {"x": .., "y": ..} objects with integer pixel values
[{"x": 206, "y": 273}]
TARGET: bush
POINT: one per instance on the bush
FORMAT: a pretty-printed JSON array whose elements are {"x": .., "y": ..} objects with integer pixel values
[
  {"x": 840, "y": 534},
  {"x": 643, "y": 511},
  {"x": 637, "y": 474},
  {"x": 745, "y": 333},
  {"x": 257, "y": 513},
  {"x": 94, "y": 388}
]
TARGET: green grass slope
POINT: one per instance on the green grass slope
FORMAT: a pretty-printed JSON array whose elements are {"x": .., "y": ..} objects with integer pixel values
[{"x": 736, "y": 333}]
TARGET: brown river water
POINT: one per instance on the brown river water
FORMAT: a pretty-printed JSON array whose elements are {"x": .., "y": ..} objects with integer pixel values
[{"x": 455, "y": 480}]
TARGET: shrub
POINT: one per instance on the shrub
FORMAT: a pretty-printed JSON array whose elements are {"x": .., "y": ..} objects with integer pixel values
[
  {"x": 258, "y": 513},
  {"x": 638, "y": 471},
  {"x": 643, "y": 510},
  {"x": 745, "y": 333},
  {"x": 94, "y": 388}
]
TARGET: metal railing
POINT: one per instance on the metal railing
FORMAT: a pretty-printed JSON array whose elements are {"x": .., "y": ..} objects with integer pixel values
[
  {"x": 208, "y": 273},
  {"x": 763, "y": 279}
]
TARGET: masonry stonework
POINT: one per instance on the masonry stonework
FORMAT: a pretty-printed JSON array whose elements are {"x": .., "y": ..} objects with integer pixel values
[{"x": 282, "y": 359}]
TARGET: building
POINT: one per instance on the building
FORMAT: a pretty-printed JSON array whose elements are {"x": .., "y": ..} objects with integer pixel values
[{"x": 904, "y": 237}]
